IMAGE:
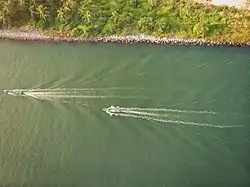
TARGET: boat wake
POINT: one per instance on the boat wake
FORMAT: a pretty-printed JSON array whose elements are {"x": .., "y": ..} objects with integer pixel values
[
  {"x": 70, "y": 93},
  {"x": 162, "y": 115}
]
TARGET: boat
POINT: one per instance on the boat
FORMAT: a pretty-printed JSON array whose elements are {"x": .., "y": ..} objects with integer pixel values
[
  {"x": 112, "y": 110},
  {"x": 15, "y": 92},
  {"x": 21, "y": 92}
]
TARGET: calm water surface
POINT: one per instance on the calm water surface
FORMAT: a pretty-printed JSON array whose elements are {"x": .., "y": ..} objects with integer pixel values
[{"x": 67, "y": 139}]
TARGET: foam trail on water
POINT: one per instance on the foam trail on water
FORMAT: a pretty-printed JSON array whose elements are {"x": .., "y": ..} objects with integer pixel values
[
  {"x": 160, "y": 115},
  {"x": 68, "y": 93},
  {"x": 177, "y": 121},
  {"x": 44, "y": 93},
  {"x": 59, "y": 95},
  {"x": 38, "y": 97},
  {"x": 83, "y": 89},
  {"x": 146, "y": 113},
  {"x": 169, "y": 110},
  {"x": 93, "y": 96}
]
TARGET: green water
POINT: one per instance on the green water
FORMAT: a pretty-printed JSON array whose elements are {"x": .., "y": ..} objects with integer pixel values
[{"x": 71, "y": 141}]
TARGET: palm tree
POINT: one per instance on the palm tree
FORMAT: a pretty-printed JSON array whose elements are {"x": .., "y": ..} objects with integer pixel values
[
  {"x": 22, "y": 3},
  {"x": 60, "y": 15},
  {"x": 85, "y": 13},
  {"x": 114, "y": 16},
  {"x": 10, "y": 2},
  {"x": 6, "y": 12},
  {"x": 2, "y": 17},
  {"x": 42, "y": 11},
  {"x": 152, "y": 2},
  {"x": 7, "y": 7}
]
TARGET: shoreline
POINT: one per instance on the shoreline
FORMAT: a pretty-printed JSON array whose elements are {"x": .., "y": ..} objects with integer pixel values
[
  {"x": 36, "y": 36},
  {"x": 239, "y": 4}
]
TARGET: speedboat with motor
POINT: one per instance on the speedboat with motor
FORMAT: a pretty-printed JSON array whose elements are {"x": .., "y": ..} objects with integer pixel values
[
  {"x": 15, "y": 92},
  {"x": 112, "y": 110},
  {"x": 21, "y": 92}
]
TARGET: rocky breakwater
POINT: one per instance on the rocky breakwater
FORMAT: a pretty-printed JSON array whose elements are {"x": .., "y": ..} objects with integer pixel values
[
  {"x": 172, "y": 40},
  {"x": 130, "y": 39}
]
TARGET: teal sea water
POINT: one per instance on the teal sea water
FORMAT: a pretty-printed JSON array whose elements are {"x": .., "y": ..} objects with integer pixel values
[{"x": 181, "y": 115}]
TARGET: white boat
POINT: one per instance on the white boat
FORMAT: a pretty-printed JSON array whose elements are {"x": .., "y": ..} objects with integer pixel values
[{"x": 17, "y": 92}]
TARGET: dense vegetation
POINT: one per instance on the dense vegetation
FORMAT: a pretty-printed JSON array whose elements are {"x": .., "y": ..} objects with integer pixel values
[{"x": 85, "y": 18}]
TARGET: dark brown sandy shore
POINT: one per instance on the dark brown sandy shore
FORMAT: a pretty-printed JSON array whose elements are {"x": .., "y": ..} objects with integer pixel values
[{"x": 37, "y": 36}]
